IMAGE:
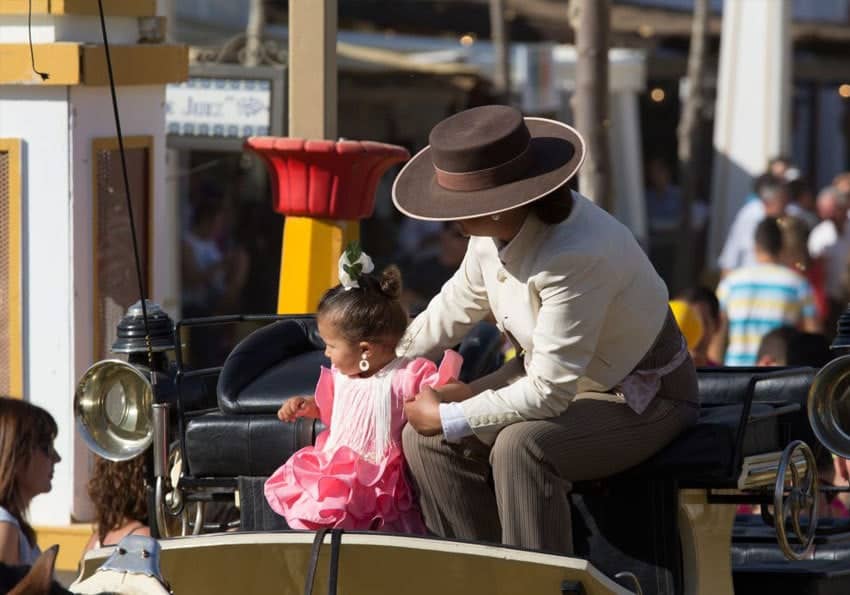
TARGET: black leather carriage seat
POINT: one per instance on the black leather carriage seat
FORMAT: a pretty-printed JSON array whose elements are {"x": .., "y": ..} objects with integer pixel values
[
  {"x": 278, "y": 361},
  {"x": 705, "y": 455}
]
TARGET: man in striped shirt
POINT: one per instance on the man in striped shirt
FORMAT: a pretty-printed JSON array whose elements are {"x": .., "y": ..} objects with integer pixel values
[{"x": 758, "y": 298}]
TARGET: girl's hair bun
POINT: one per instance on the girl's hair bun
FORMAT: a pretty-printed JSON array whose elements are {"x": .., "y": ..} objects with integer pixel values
[{"x": 391, "y": 282}]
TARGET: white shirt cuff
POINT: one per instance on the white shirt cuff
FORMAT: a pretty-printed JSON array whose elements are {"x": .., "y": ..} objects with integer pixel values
[{"x": 454, "y": 422}]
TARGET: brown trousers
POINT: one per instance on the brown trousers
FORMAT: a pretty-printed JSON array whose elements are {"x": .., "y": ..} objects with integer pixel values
[{"x": 517, "y": 491}]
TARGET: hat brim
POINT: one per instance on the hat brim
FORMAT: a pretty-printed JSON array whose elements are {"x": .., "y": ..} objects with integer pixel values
[{"x": 558, "y": 151}]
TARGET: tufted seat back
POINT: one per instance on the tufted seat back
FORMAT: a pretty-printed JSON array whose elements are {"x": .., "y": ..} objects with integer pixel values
[{"x": 278, "y": 361}]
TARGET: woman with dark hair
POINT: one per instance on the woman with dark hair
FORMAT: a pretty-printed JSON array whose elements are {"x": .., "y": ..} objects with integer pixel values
[
  {"x": 117, "y": 490},
  {"x": 27, "y": 458},
  {"x": 603, "y": 379}
]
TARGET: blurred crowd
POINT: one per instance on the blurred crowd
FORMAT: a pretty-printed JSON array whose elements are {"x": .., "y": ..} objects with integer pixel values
[{"x": 784, "y": 263}]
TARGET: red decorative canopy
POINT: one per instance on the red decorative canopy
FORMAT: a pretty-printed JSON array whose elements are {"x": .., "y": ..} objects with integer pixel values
[{"x": 325, "y": 179}]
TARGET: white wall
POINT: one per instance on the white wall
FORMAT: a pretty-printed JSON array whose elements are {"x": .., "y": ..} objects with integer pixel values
[{"x": 40, "y": 116}]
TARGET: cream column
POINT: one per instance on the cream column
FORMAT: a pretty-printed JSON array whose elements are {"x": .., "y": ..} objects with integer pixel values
[{"x": 752, "y": 122}]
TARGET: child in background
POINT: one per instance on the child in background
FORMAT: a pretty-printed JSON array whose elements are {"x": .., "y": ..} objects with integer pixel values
[
  {"x": 354, "y": 477},
  {"x": 707, "y": 307}
]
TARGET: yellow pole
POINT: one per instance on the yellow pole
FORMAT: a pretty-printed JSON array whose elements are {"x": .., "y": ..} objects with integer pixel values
[{"x": 311, "y": 247}]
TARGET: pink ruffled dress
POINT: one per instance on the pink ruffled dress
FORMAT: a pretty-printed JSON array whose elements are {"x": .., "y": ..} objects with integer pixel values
[{"x": 354, "y": 477}]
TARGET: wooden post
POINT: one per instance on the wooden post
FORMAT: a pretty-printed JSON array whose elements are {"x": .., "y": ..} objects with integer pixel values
[
  {"x": 254, "y": 33},
  {"x": 311, "y": 246},
  {"x": 312, "y": 69},
  {"x": 501, "y": 50},
  {"x": 590, "y": 101},
  {"x": 689, "y": 138}
]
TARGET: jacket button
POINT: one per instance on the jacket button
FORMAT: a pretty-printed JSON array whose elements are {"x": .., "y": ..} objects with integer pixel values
[{"x": 501, "y": 275}]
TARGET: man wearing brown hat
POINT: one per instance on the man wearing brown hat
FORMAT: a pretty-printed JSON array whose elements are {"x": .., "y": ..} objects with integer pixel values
[{"x": 604, "y": 380}]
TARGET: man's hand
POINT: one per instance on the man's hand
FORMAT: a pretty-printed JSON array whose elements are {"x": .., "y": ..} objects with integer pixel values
[
  {"x": 423, "y": 412},
  {"x": 454, "y": 391},
  {"x": 298, "y": 407}
]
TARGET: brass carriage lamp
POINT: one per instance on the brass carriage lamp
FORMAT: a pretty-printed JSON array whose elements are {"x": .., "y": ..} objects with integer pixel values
[
  {"x": 323, "y": 188},
  {"x": 115, "y": 401}
]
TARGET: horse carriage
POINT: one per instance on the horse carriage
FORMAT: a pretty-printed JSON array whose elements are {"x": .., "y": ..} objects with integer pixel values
[{"x": 666, "y": 526}]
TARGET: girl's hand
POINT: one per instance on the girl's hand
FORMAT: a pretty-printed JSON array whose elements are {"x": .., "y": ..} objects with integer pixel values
[
  {"x": 423, "y": 412},
  {"x": 295, "y": 407}
]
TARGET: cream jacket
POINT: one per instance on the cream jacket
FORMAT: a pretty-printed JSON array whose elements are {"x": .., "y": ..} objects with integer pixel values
[{"x": 580, "y": 298}]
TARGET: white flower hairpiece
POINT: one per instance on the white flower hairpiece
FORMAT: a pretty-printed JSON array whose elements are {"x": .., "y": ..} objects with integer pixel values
[{"x": 353, "y": 263}]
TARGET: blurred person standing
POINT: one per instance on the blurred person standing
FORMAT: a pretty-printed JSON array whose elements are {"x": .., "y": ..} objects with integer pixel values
[
  {"x": 795, "y": 255},
  {"x": 739, "y": 249},
  {"x": 842, "y": 182},
  {"x": 781, "y": 166},
  {"x": 829, "y": 247},
  {"x": 803, "y": 204},
  {"x": 663, "y": 198},
  {"x": 756, "y": 299}
]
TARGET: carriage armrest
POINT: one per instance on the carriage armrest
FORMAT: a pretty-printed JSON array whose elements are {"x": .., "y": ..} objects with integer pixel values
[{"x": 224, "y": 445}]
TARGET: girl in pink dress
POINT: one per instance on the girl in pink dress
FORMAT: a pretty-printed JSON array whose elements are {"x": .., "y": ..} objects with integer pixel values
[{"x": 354, "y": 477}]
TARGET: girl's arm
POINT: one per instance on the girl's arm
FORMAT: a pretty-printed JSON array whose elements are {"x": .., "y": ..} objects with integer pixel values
[{"x": 295, "y": 407}]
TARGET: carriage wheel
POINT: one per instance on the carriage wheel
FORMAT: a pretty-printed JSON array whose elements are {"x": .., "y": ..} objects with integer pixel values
[{"x": 795, "y": 495}]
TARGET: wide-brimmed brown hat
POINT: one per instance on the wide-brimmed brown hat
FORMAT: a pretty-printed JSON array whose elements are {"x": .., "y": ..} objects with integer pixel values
[{"x": 486, "y": 160}]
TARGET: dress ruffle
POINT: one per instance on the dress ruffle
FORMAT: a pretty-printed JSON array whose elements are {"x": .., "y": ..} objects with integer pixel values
[{"x": 342, "y": 490}]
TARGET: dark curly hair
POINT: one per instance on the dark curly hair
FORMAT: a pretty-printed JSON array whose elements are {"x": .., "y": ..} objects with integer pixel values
[
  {"x": 371, "y": 312},
  {"x": 117, "y": 490}
]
